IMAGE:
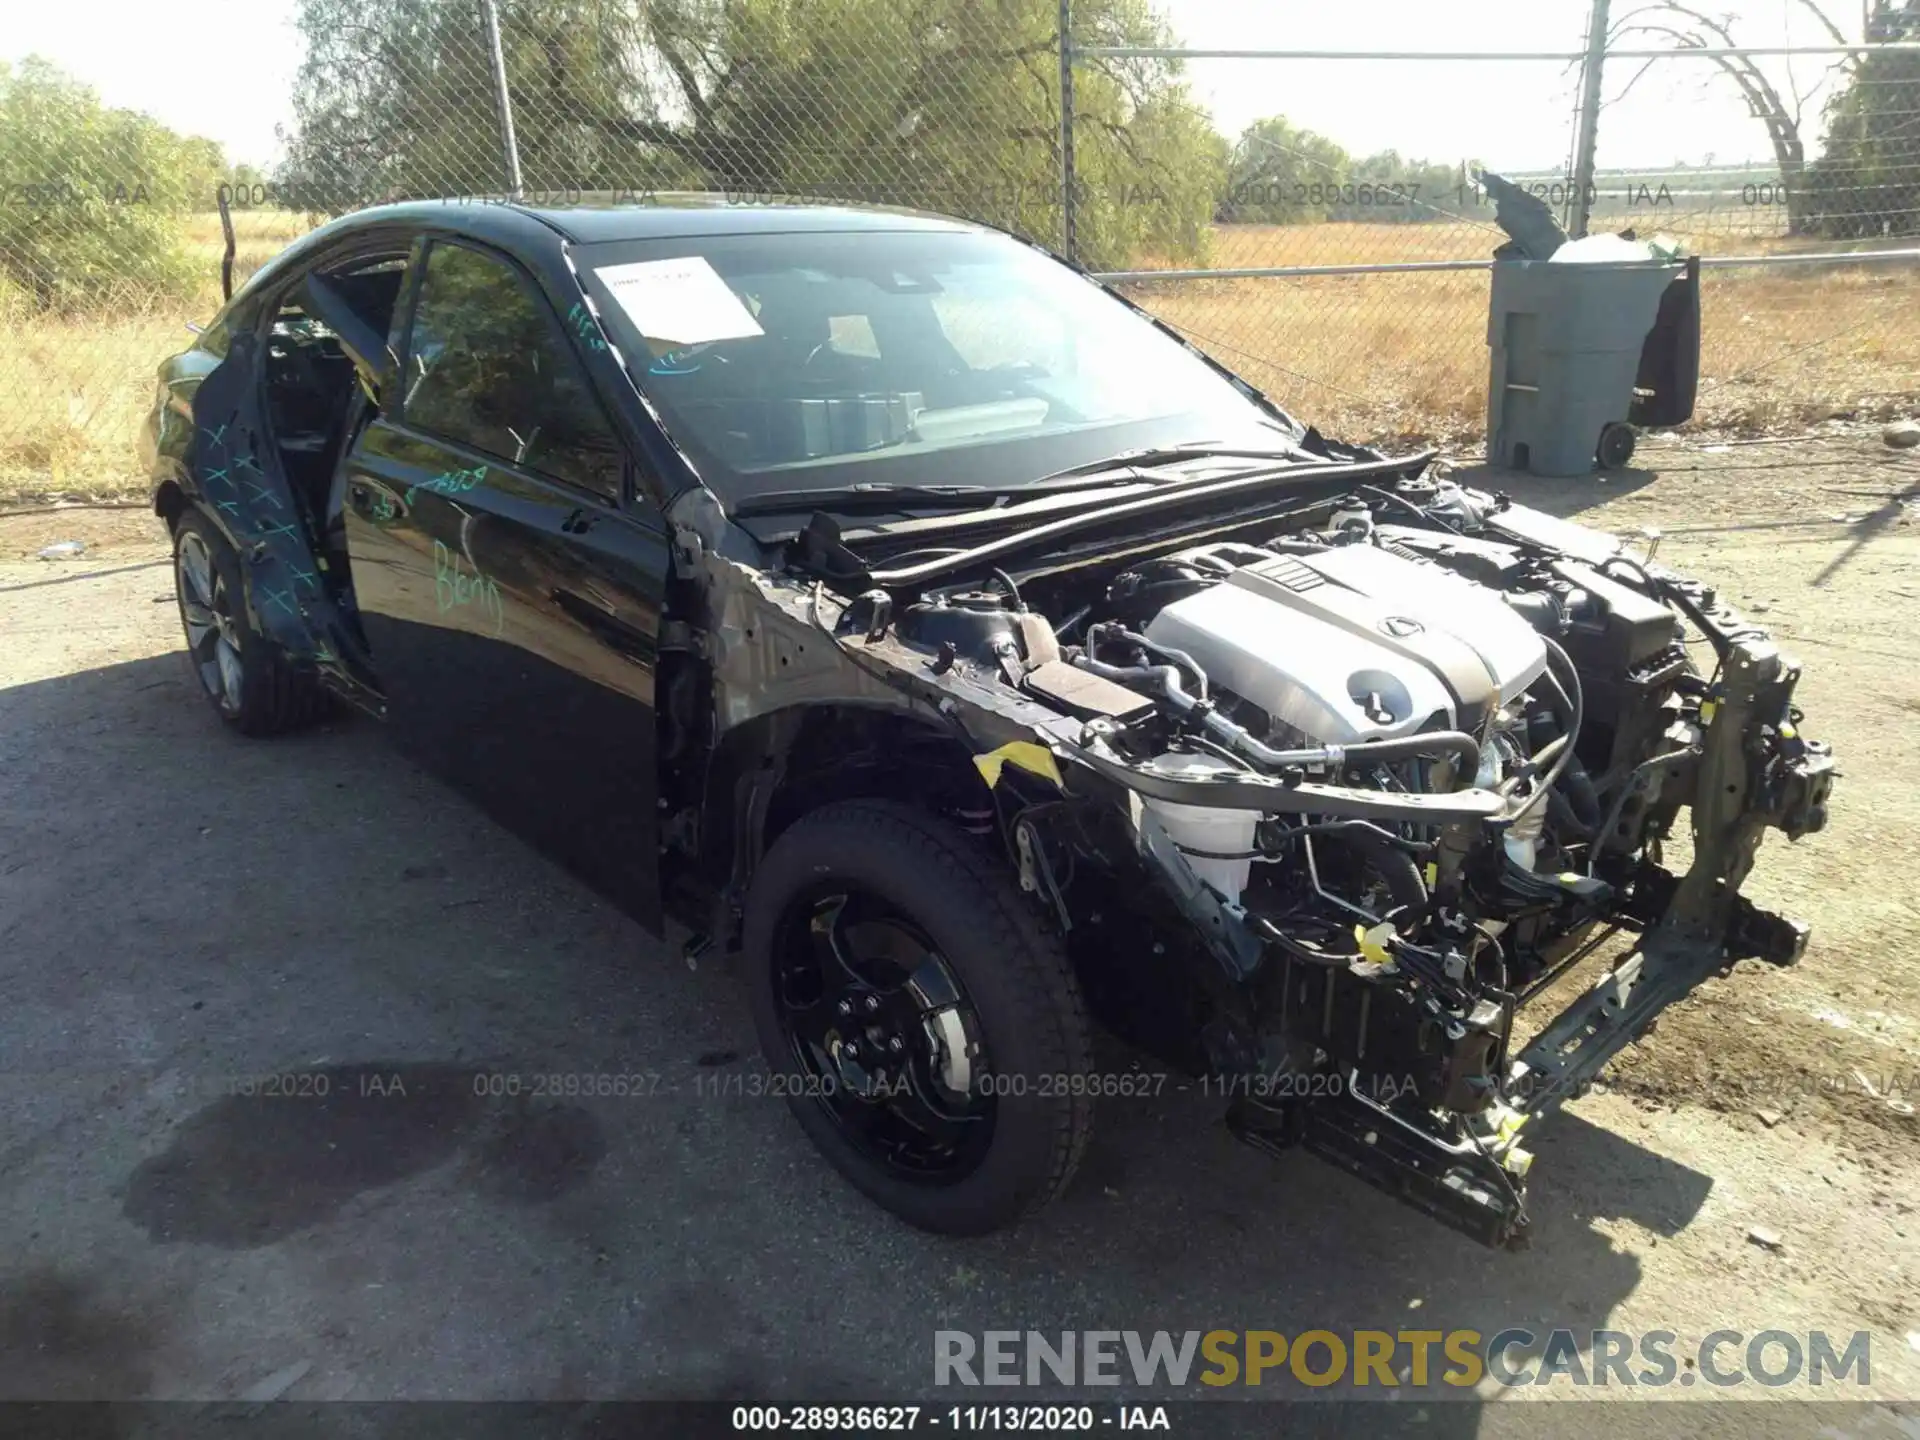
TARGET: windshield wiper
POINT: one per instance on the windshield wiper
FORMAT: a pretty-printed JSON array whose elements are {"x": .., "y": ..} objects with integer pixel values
[
  {"x": 1153, "y": 456},
  {"x": 1094, "y": 474},
  {"x": 872, "y": 495}
]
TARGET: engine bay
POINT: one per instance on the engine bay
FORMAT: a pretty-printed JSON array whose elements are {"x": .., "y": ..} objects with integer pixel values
[
  {"x": 1393, "y": 763},
  {"x": 1363, "y": 654}
]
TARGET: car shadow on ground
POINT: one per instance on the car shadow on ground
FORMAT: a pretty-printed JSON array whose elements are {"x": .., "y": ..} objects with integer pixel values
[{"x": 186, "y": 914}]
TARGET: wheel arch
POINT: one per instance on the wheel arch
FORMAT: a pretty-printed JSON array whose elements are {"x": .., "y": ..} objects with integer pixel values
[
  {"x": 170, "y": 501},
  {"x": 765, "y": 773}
]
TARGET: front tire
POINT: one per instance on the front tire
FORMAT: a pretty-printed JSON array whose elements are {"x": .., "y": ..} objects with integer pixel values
[
  {"x": 242, "y": 673},
  {"x": 926, "y": 1031}
]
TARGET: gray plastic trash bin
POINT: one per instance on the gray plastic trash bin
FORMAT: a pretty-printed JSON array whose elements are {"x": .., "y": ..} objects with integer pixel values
[{"x": 1566, "y": 342}]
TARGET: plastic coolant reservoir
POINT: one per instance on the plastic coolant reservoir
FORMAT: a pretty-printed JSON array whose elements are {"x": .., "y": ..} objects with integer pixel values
[{"x": 1202, "y": 827}]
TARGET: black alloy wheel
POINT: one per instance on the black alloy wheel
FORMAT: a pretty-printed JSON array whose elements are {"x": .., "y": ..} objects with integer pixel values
[
  {"x": 243, "y": 674},
  {"x": 207, "y": 614},
  {"x": 918, "y": 1016},
  {"x": 886, "y": 1037}
]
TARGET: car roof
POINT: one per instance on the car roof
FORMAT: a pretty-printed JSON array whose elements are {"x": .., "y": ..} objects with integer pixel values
[
  {"x": 674, "y": 216},
  {"x": 668, "y": 216},
  {"x": 519, "y": 227},
  {"x": 535, "y": 233}
]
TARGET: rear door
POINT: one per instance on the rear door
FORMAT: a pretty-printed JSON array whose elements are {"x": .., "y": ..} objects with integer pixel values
[{"x": 509, "y": 579}]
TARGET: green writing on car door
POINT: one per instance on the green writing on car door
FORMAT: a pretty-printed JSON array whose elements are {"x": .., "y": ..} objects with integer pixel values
[
  {"x": 449, "y": 482},
  {"x": 457, "y": 582},
  {"x": 586, "y": 327}
]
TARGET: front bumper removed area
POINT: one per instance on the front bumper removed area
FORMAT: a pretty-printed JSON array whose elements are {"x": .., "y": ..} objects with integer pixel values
[{"x": 1746, "y": 771}]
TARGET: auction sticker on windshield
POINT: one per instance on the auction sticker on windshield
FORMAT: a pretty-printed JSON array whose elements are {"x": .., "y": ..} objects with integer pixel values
[{"x": 683, "y": 300}]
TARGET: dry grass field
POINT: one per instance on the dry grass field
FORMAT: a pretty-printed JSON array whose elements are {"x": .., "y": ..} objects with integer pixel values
[
  {"x": 1375, "y": 357},
  {"x": 76, "y": 388},
  {"x": 1403, "y": 356}
]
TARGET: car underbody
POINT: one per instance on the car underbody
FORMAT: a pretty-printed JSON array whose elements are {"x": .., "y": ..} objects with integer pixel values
[{"x": 1322, "y": 784}]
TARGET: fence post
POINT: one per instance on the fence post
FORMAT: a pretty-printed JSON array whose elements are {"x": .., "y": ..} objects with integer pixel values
[
  {"x": 1589, "y": 134},
  {"x": 509, "y": 148},
  {"x": 1069, "y": 240}
]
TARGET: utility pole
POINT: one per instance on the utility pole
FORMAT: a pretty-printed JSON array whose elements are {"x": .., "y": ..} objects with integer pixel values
[
  {"x": 1069, "y": 240},
  {"x": 509, "y": 148},
  {"x": 1589, "y": 134}
]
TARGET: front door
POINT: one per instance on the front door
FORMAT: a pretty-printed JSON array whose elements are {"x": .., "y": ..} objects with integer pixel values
[{"x": 509, "y": 581}]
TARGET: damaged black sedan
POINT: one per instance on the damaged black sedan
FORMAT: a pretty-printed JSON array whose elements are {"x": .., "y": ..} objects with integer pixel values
[{"x": 895, "y": 607}]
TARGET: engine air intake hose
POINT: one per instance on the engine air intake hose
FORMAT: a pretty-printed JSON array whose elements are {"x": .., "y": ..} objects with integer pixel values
[
  {"x": 1558, "y": 754},
  {"x": 1165, "y": 681}
]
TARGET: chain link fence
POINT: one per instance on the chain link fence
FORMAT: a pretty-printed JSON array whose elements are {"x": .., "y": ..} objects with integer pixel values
[{"x": 1350, "y": 288}]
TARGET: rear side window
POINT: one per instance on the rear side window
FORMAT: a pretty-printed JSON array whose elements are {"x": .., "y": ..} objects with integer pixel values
[{"x": 488, "y": 368}]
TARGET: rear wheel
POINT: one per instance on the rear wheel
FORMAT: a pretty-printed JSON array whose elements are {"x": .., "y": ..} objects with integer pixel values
[
  {"x": 1616, "y": 445},
  {"x": 242, "y": 673},
  {"x": 924, "y": 1028}
]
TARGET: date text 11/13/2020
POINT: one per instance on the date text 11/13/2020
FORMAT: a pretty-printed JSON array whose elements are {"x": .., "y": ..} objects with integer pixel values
[{"x": 841, "y": 1419}]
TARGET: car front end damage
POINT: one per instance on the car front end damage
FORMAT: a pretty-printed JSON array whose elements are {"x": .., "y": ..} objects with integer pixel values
[{"x": 1326, "y": 787}]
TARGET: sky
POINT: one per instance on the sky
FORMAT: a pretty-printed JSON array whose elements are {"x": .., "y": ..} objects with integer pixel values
[
  {"x": 1511, "y": 115},
  {"x": 223, "y": 69}
]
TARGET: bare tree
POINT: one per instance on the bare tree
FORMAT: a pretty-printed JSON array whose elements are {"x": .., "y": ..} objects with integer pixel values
[{"x": 1781, "y": 110}]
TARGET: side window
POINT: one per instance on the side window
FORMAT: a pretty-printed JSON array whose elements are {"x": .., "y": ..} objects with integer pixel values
[
  {"x": 372, "y": 287},
  {"x": 486, "y": 367}
]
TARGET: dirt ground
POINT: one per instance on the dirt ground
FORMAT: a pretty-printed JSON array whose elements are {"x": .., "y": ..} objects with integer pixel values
[{"x": 178, "y": 907}]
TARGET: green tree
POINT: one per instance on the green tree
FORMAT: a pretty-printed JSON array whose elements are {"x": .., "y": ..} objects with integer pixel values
[
  {"x": 94, "y": 196},
  {"x": 1388, "y": 189},
  {"x": 948, "y": 104},
  {"x": 1280, "y": 174},
  {"x": 1867, "y": 180},
  {"x": 249, "y": 182}
]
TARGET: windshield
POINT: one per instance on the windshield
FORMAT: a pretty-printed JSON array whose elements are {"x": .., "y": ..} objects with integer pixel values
[{"x": 809, "y": 360}]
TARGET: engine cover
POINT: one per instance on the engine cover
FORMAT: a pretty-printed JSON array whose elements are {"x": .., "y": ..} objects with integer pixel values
[{"x": 1353, "y": 642}]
